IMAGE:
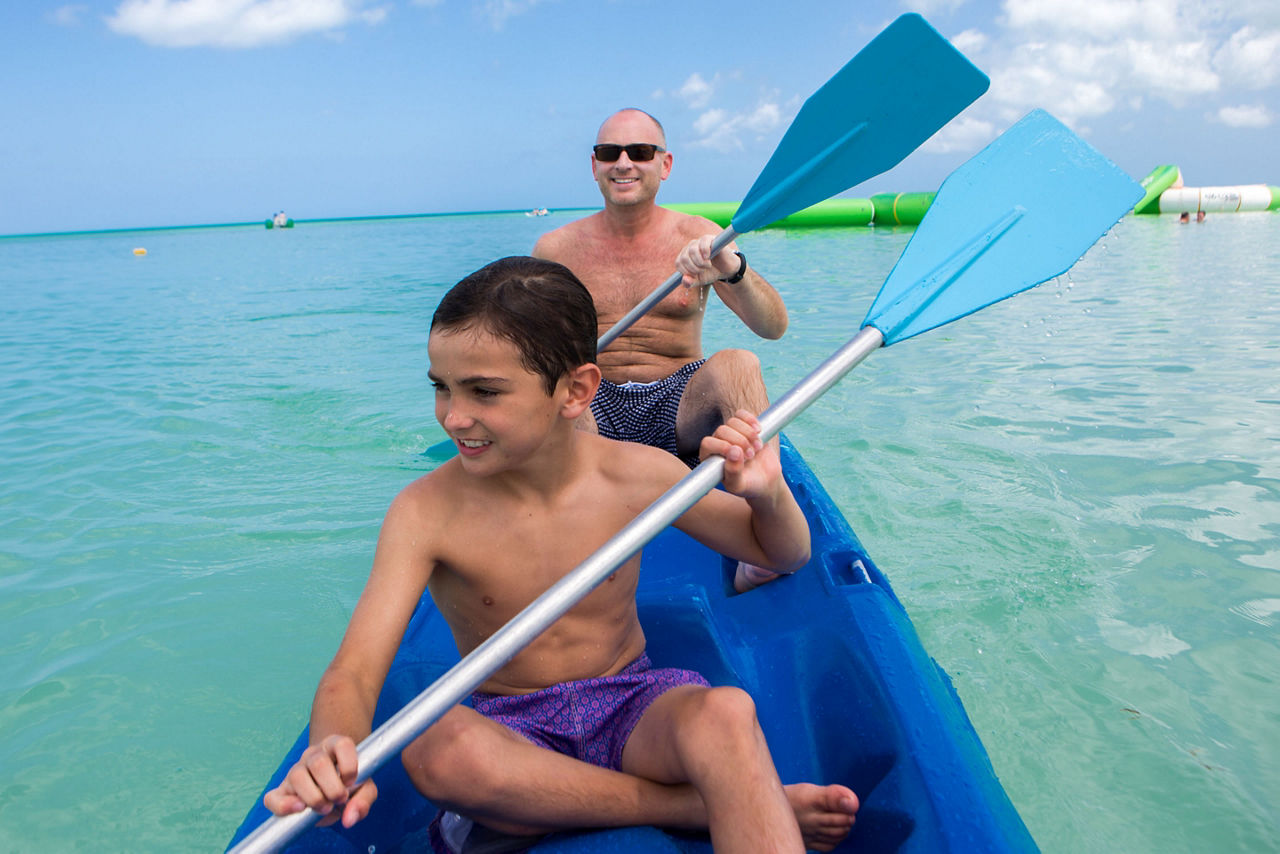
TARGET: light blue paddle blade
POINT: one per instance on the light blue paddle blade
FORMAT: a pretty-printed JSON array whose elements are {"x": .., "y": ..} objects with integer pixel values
[
  {"x": 1021, "y": 211},
  {"x": 864, "y": 120}
]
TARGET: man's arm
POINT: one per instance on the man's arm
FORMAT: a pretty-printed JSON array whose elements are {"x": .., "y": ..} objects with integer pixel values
[{"x": 753, "y": 299}]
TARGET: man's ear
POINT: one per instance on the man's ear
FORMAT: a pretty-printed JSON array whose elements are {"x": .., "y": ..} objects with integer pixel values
[{"x": 581, "y": 383}]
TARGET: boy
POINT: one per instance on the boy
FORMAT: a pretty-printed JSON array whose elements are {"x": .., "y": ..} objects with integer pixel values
[{"x": 528, "y": 498}]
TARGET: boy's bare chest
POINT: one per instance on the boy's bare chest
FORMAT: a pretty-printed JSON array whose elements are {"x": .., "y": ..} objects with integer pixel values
[{"x": 532, "y": 547}]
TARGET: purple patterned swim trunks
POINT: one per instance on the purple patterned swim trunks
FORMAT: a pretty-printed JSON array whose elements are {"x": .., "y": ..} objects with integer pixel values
[
  {"x": 644, "y": 413},
  {"x": 590, "y": 719}
]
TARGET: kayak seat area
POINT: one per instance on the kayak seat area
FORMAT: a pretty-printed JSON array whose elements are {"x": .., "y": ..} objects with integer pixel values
[{"x": 786, "y": 644}]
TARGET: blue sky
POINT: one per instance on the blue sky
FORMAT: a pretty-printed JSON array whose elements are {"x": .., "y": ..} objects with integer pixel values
[{"x": 135, "y": 113}]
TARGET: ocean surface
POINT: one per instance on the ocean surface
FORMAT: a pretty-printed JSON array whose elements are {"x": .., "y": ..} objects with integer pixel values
[{"x": 1075, "y": 493}]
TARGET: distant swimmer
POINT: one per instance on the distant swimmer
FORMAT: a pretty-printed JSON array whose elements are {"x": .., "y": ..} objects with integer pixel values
[
  {"x": 1185, "y": 217},
  {"x": 1200, "y": 215}
]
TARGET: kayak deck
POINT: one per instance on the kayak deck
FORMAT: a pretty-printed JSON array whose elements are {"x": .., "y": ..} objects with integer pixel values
[{"x": 844, "y": 691}]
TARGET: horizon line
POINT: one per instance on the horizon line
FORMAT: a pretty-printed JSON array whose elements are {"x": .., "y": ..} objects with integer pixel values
[{"x": 260, "y": 223}]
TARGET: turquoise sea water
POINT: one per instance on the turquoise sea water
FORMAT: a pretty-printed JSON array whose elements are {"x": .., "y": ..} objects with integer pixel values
[{"x": 1075, "y": 493}]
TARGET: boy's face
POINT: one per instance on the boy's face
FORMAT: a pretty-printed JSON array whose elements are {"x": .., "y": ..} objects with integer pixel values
[{"x": 496, "y": 410}]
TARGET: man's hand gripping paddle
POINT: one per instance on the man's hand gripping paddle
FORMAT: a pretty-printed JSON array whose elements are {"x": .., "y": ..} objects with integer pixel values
[{"x": 1021, "y": 211}]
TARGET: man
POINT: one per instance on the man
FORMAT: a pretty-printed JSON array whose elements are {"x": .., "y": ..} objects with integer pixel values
[
  {"x": 657, "y": 389},
  {"x": 528, "y": 497}
]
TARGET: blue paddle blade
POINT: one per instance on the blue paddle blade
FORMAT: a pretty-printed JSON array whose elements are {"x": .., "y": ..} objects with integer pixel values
[
  {"x": 1022, "y": 210},
  {"x": 855, "y": 127}
]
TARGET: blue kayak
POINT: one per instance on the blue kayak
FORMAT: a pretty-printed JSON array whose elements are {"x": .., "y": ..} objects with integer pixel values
[{"x": 844, "y": 690}]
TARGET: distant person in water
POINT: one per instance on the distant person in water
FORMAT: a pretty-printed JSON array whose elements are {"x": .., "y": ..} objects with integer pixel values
[
  {"x": 1200, "y": 215},
  {"x": 528, "y": 498},
  {"x": 1185, "y": 217},
  {"x": 658, "y": 388}
]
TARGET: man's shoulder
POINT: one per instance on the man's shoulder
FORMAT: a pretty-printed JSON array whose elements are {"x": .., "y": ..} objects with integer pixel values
[
  {"x": 690, "y": 225},
  {"x": 559, "y": 239}
]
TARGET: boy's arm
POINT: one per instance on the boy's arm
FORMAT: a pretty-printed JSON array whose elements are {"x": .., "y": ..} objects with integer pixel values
[
  {"x": 342, "y": 712},
  {"x": 763, "y": 525}
]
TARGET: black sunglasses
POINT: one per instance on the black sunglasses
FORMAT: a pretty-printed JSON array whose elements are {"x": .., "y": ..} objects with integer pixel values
[{"x": 638, "y": 152}]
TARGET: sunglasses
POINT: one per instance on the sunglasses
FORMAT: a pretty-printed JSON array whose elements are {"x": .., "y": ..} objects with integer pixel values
[{"x": 637, "y": 152}]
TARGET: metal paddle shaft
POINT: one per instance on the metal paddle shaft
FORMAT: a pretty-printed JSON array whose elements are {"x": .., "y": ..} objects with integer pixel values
[{"x": 893, "y": 95}]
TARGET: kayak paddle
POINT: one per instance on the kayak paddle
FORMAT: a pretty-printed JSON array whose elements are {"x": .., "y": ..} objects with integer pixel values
[
  {"x": 1021, "y": 211},
  {"x": 863, "y": 121}
]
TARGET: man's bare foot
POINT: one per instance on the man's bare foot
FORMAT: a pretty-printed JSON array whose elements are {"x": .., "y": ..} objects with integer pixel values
[
  {"x": 825, "y": 813},
  {"x": 749, "y": 577}
]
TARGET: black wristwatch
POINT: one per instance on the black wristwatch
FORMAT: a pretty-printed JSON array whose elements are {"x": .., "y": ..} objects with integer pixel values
[{"x": 742, "y": 270}]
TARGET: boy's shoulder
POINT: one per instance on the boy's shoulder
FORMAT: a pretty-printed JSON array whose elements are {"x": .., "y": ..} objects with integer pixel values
[
  {"x": 634, "y": 462},
  {"x": 432, "y": 493}
]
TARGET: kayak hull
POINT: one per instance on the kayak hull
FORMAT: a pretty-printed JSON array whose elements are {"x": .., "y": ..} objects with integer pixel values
[{"x": 844, "y": 691}]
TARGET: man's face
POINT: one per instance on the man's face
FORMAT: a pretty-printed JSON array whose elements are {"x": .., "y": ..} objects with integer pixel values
[{"x": 626, "y": 182}]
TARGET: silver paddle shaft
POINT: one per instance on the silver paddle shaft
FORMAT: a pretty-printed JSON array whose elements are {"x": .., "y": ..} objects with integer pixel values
[
  {"x": 722, "y": 240},
  {"x": 503, "y": 645}
]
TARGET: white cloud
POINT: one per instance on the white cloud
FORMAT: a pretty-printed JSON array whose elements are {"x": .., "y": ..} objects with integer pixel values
[
  {"x": 763, "y": 119},
  {"x": 962, "y": 134},
  {"x": 696, "y": 91},
  {"x": 1245, "y": 116},
  {"x": 500, "y": 11},
  {"x": 970, "y": 42},
  {"x": 1250, "y": 59},
  {"x": 1086, "y": 60},
  {"x": 235, "y": 23},
  {"x": 68, "y": 16},
  {"x": 933, "y": 8},
  {"x": 721, "y": 130},
  {"x": 1112, "y": 19}
]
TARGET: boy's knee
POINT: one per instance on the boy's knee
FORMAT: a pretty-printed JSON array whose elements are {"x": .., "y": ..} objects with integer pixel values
[
  {"x": 723, "y": 712},
  {"x": 447, "y": 753}
]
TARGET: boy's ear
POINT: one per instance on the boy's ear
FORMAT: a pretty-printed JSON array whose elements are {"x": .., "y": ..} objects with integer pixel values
[{"x": 581, "y": 383}]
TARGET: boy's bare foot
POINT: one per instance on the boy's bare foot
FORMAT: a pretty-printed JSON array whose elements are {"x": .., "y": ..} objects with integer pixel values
[
  {"x": 825, "y": 813},
  {"x": 749, "y": 577}
]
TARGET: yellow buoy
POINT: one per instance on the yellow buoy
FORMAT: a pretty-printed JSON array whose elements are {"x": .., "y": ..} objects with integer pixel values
[{"x": 139, "y": 251}]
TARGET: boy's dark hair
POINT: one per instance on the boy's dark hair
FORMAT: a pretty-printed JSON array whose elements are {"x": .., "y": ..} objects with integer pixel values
[{"x": 540, "y": 306}]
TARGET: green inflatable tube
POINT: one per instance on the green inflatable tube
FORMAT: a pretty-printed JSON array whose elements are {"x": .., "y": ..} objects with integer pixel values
[
  {"x": 898, "y": 209},
  {"x": 1160, "y": 179},
  {"x": 901, "y": 208}
]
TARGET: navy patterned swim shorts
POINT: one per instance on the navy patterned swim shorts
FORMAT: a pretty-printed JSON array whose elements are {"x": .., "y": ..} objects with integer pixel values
[
  {"x": 644, "y": 412},
  {"x": 590, "y": 719}
]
